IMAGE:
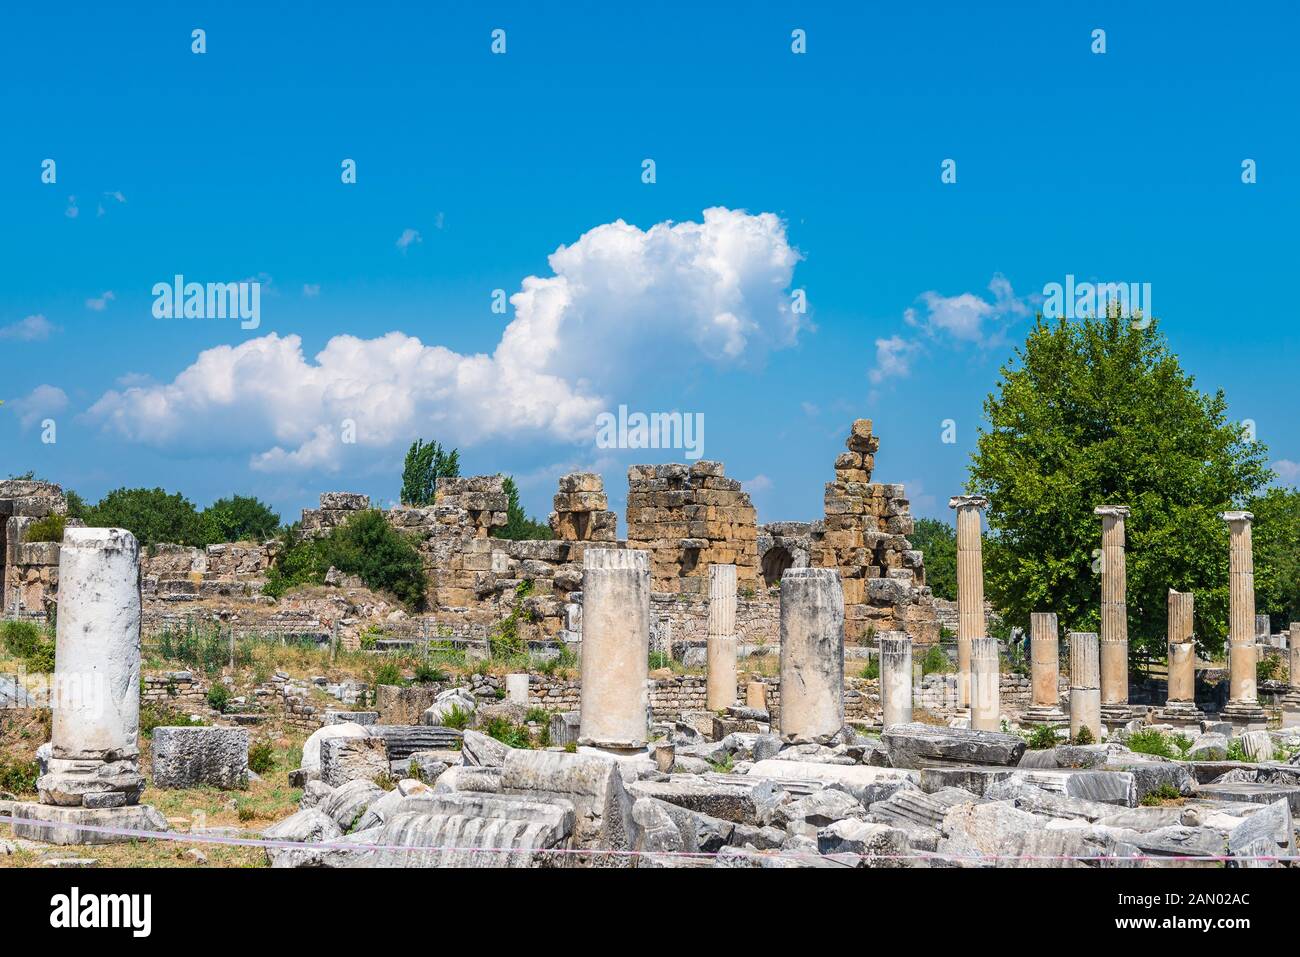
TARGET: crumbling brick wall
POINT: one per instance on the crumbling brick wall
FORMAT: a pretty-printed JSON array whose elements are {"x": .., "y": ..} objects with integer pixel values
[
  {"x": 29, "y": 571},
  {"x": 689, "y": 517},
  {"x": 864, "y": 535},
  {"x": 582, "y": 510}
]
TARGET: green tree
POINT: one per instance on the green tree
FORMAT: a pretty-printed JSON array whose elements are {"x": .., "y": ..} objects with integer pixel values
[
  {"x": 426, "y": 462},
  {"x": 150, "y": 514},
  {"x": 76, "y": 505},
  {"x": 1276, "y": 537},
  {"x": 1099, "y": 412},
  {"x": 938, "y": 542},
  {"x": 519, "y": 526},
  {"x": 240, "y": 518}
]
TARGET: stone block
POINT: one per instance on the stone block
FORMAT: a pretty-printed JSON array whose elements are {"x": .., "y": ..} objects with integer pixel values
[
  {"x": 351, "y": 759},
  {"x": 185, "y": 757}
]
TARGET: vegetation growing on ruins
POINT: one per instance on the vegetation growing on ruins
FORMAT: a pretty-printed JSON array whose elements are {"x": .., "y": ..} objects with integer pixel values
[
  {"x": 365, "y": 545},
  {"x": 519, "y": 526},
  {"x": 47, "y": 529},
  {"x": 240, "y": 518},
  {"x": 938, "y": 541},
  {"x": 31, "y": 642},
  {"x": 426, "y": 462},
  {"x": 1095, "y": 412}
]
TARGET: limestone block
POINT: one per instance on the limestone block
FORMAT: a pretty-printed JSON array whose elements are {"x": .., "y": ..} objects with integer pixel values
[
  {"x": 345, "y": 759},
  {"x": 185, "y": 757}
]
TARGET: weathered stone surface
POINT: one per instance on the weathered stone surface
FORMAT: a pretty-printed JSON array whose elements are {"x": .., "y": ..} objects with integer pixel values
[
  {"x": 918, "y": 745},
  {"x": 808, "y": 815},
  {"x": 427, "y": 766},
  {"x": 311, "y": 747},
  {"x": 446, "y": 703},
  {"x": 403, "y": 740},
  {"x": 67, "y": 825},
  {"x": 314, "y": 794},
  {"x": 737, "y": 800},
  {"x": 469, "y": 777},
  {"x": 877, "y": 845},
  {"x": 591, "y": 783},
  {"x": 483, "y": 751},
  {"x": 1257, "y": 745},
  {"x": 1266, "y": 834},
  {"x": 307, "y": 825},
  {"x": 1152, "y": 777},
  {"x": 349, "y": 759},
  {"x": 348, "y": 802},
  {"x": 855, "y": 779},
  {"x": 1253, "y": 792},
  {"x": 185, "y": 757},
  {"x": 1209, "y": 747}
]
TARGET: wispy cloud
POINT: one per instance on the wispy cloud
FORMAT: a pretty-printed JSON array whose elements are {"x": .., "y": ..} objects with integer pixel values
[
  {"x": 100, "y": 304},
  {"x": 41, "y": 402},
  {"x": 31, "y": 329},
  {"x": 1286, "y": 469},
  {"x": 311, "y": 289},
  {"x": 71, "y": 212},
  {"x": 408, "y": 238}
]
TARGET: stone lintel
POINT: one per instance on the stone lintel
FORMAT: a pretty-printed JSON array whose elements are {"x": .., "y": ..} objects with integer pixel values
[
  {"x": 968, "y": 501},
  {"x": 1114, "y": 511}
]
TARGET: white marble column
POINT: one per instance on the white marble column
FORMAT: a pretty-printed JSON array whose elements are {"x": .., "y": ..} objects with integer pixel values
[
  {"x": 615, "y": 701},
  {"x": 895, "y": 678},
  {"x": 970, "y": 587},
  {"x": 985, "y": 706},
  {"x": 721, "y": 650},
  {"x": 812, "y": 653},
  {"x": 1085, "y": 684}
]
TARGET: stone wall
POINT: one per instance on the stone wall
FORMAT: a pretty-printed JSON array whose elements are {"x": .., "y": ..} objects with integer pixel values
[
  {"x": 690, "y": 517},
  {"x": 29, "y": 571},
  {"x": 864, "y": 535}
]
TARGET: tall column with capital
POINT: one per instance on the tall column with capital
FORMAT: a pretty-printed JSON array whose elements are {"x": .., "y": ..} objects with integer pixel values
[
  {"x": 1243, "y": 708},
  {"x": 970, "y": 587},
  {"x": 1114, "y": 614}
]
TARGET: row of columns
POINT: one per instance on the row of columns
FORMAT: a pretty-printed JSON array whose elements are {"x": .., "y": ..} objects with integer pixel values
[{"x": 616, "y": 627}]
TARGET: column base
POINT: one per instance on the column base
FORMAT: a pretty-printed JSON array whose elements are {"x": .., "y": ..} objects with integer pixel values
[
  {"x": 1053, "y": 717},
  {"x": 63, "y": 825},
  {"x": 1118, "y": 715},
  {"x": 1291, "y": 709},
  {"x": 91, "y": 783},
  {"x": 618, "y": 753},
  {"x": 1245, "y": 716},
  {"x": 1180, "y": 714}
]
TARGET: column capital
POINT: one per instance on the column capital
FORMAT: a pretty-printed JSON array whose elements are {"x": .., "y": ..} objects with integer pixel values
[
  {"x": 1237, "y": 516},
  {"x": 1114, "y": 511},
  {"x": 968, "y": 501}
]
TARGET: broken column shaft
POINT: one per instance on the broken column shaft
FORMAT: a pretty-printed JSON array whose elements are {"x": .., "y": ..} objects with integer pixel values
[
  {"x": 895, "y": 678},
  {"x": 1085, "y": 684},
  {"x": 812, "y": 653},
  {"x": 985, "y": 707},
  {"x": 1114, "y": 612},
  {"x": 721, "y": 650},
  {"x": 1045, "y": 669},
  {"x": 615, "y": 649},
  {"x": 1243, "y": 708}
]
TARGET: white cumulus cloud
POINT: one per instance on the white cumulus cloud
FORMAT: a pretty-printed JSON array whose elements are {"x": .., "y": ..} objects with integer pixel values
[
  {"x": 43, "y": 401},
  {"x": 617, "y": 299},
  {"x": 29, "y": 329}
]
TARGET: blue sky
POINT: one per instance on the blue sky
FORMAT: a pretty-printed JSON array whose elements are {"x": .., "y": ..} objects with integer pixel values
[{"x": 1123, "y": 166}]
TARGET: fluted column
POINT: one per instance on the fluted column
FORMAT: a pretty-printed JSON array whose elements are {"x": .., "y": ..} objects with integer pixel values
[
  {"x": 985, "y": 707},
  {"x": 721, "y": 688},
  {"x": 896, "y": 678},
  {"x": 1241, "y": 614},
  {"x": 1182, "y": 651},
  {"x": 1293, "y": 656},
  {"x": 812, "y": 653},
  {"x": 615, "y": 698},
  {"x": 1114, "y": 607},
  {"x": 1045, "y": 659},
  {"x": 1085, "y": 684},
  {"x": 970, "y": 587}
]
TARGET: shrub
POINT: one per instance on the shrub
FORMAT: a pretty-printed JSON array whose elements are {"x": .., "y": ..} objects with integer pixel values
[
  {"x": 1270, "y": 668},
  {"x": 659, "y": 659},
  {"x": 507, "y": 732},
  {"x": 42, "y": 659},
  {"x": 538, "y": 716},
  {"x": 871, "y": 670},
  {"x": 18, "y": 777},
  {"x": 935, "y": 662},
  {"x": 457, "y": 718},
  {"x": 1084, "y": 736},
  {"x": 1042, "y": 736},
  {"x": 21, "y": 638},
  {"x": 218, "y": 697},
  {"x": 1150, "y": 741},
  {"x": 261, "y": 757},
  {"x": 47, "y": 529},
  {"x": 1236, "y": 752},
  {"x": 387, "y": 673},
  {"x": 1163, "y": 792},
  {"x": 428, "y": 674}
]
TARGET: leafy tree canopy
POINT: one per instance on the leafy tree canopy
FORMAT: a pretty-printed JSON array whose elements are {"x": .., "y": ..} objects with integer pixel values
[
  {"x": 1276, "y": 535},
  {"x": 426, "y": 462},
  {"x": 1099, "y": 412},
  {"x": 519, "y": 526},
  {"x": 240, "y": 518},
  {"x": 150, "y": 514},
  {"x": 937, "y": 540}
]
